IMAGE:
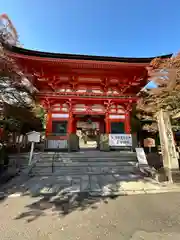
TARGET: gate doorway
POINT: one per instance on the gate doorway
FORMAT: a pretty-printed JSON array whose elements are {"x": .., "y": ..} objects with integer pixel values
[{"x": 88, "y": 129}]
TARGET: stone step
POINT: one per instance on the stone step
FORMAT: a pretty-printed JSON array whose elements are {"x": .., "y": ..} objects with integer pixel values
[
  {"x": 75, "y": 155},
  {"x": 20, "y": 158},
  {"x": 89, "y": 152},
  {"x": 85, "y": 159},
  {"x": 86, "y": 163},
  {"x": 87, "y": 168},
  {"x": 57, "y": 174},
  {"x": 81, "y": 158},
  {"x": 90, "y": 155},
  {"x": 96, "y": 155},
  {"x": 24, "y": 155},
  {"x": 70, "y": 172},
  {"x": 75, "y": 160}
]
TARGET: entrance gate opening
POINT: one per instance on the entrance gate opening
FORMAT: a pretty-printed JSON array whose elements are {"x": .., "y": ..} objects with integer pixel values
[{"x": 88, "y": 129}]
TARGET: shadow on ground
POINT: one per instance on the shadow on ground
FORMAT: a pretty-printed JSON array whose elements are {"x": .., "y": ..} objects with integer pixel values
[
  {"x": 44, "y": 206},
  {"x": 58, "y": 202}
]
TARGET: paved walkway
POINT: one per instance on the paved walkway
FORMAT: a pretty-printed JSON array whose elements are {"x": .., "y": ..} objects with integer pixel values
[
  {"x": 154, "y": 216},
  {"x": 93, "y": 185}
]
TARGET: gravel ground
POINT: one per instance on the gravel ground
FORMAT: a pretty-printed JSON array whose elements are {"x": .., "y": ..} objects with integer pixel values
[{"x": 128, "y": 217}]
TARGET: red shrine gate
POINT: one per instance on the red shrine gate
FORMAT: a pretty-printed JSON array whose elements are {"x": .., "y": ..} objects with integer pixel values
[
  {"x": 76, "y": 88},
  {"x": 104, "y": 113}
]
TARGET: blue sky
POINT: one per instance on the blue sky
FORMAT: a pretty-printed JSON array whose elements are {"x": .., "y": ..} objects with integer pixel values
[{"x": 133, "y": 28}]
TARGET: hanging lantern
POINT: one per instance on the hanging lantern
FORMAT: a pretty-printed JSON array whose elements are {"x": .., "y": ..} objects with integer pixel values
[{"x": 89, "y": 121}]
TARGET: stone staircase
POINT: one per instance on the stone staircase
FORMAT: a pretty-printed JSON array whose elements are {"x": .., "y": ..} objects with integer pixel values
[
  {"x": 93, "y": 172},
  {"x": 85, "y": 163},
  {"x": 21, "y": 159}
]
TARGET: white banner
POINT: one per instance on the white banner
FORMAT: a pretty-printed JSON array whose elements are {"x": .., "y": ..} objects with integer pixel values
[
  {"x": 60, "y": 115},
  {"x": 60, "y": 144},
  {"x": 120, "y": 140}
]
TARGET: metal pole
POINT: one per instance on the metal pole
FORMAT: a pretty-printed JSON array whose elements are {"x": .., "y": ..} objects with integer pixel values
[{"x": 31, "y": 153}]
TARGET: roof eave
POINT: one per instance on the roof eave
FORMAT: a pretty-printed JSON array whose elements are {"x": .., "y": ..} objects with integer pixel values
[{"x": 34, "y": 53}]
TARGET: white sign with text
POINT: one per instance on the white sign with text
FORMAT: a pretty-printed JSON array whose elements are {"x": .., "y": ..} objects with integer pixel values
[
  {"x": 141, "y": 156},
  {"x": 120, "y": 140}
]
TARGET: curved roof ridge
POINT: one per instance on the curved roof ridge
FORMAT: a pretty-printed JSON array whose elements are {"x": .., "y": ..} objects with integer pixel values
[{"x": 42, "y": 54}]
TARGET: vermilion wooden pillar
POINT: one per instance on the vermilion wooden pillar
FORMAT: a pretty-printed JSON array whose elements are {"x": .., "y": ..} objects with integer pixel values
[
  {"x": 70, "y": 123},
  {"x": 48, "y": 123},
  {"x": 127, "y": 123},
  {"x": 70, "y": 120},
  {"x": 107, "y": 122},
  {"x": 102, "y": 126},
  {"x": 74, "y": 123}
]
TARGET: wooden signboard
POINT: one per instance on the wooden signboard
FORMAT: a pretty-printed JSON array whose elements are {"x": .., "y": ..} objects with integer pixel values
[{"x": 149, "y": 142}]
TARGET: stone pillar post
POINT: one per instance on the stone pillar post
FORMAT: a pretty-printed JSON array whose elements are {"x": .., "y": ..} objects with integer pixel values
[{"x": 170, "y": 161}]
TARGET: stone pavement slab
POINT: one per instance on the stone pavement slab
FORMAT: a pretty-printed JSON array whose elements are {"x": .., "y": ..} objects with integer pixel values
[
  {"x": 102, "y": 185},
  {"x": 142, "y": 235},
  {"x": 148, "y": 187}
]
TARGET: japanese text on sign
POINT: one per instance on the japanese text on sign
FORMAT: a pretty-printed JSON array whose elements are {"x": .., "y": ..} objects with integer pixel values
[{"x": 120, "y": 140}]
